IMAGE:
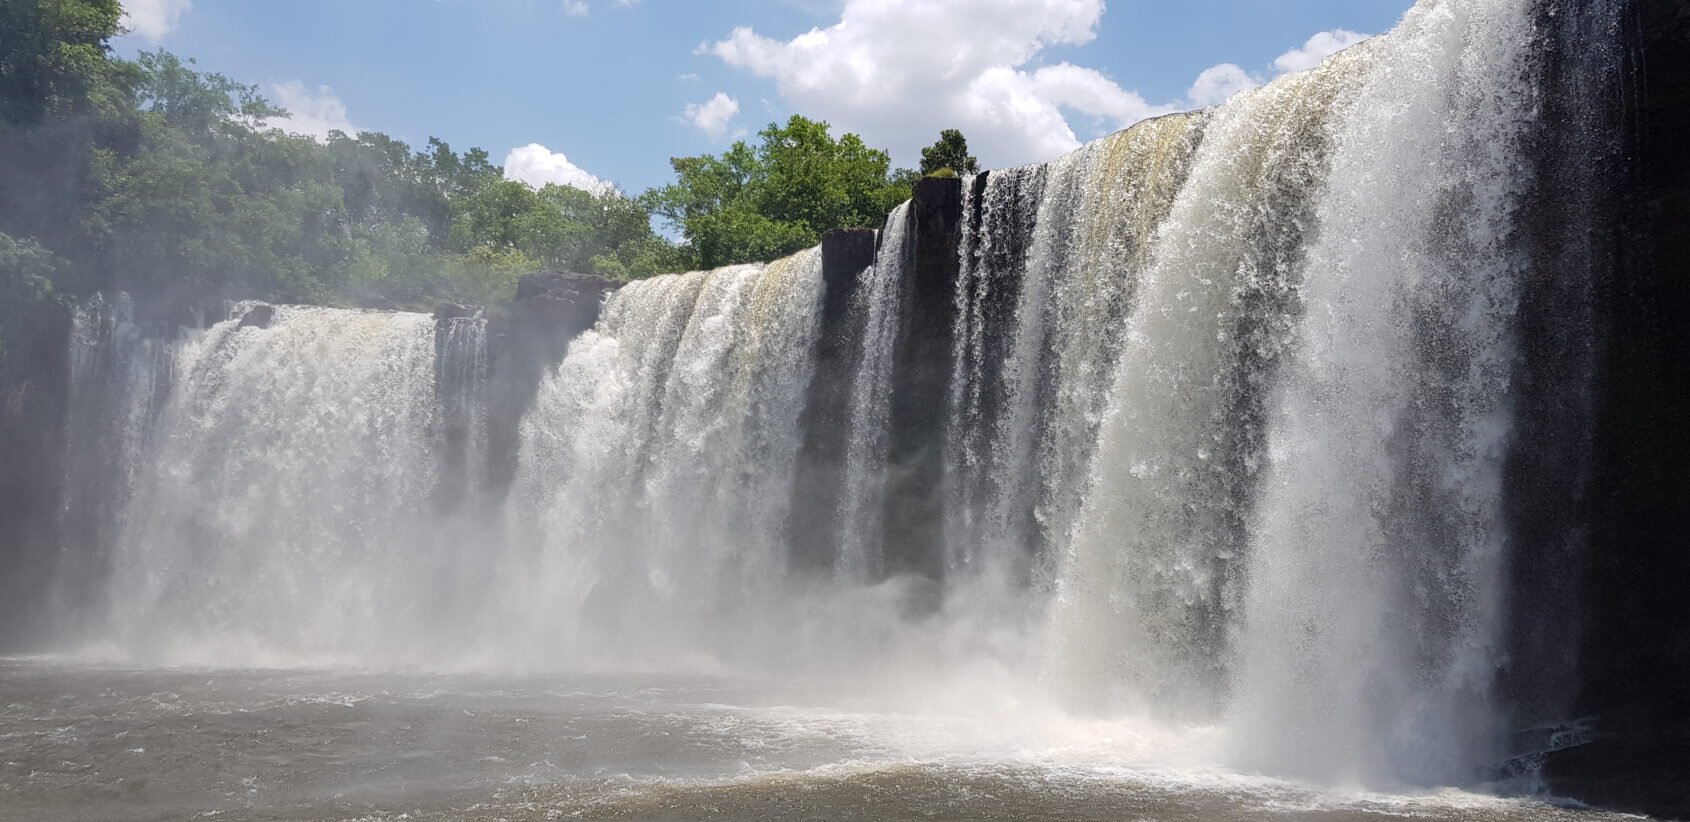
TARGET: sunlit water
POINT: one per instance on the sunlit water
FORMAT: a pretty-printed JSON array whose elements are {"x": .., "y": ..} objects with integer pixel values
[{"x": 81, "y": 742}]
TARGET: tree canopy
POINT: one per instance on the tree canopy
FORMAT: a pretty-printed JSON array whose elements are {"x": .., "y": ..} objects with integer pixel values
[
  {"x": 155, "y": 176},
  {"x": 755, "y": 203},
  {"x": 950, "y": 152}
]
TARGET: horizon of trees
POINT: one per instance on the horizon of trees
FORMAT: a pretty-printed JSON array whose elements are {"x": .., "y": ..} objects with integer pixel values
[{"x": 152, "y": 176}]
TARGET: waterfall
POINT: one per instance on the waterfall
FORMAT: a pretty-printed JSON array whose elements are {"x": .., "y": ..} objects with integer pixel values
[
  {"x": 1230, "y": 439},
  {"x": 657, "y": 461},
  {"x": 119, "y": 377},
  {"x": 1049, "y": 270},
  {"x": 1377, "y": 540},
  {"x": 460, "y": 379},
  {"x": 874, "y": 309},
  {"x": 1144, "y": 584},
  {"x": 282, "y": 508}
]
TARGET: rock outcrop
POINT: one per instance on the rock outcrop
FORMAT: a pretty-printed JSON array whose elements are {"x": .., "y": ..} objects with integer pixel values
[
  {"x": 527, "y": 337},
  {"x": 1633, "y": 662},
  {"x": 921, "y": 380},
  {"x": 259, "y": 316},
  {"x": 34, "y": 396},
  {"x": 817, "y": 487}
]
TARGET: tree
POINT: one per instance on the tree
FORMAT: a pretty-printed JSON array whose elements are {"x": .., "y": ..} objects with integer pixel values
[
  {"x": 55, "y": 61},
  {"x": 950, "y": 152},
  {"x": 757, "y": 203}
]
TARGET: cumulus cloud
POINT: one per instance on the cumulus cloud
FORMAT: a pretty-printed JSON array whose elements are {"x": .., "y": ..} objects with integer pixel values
[
  {"x": 311, "y": 112},
  {"x": 1217, "y": 84},
  {"x": 538, "y": 166},
  {"x": 713, "y": 115},
  {"x": 1318, "y": 48},
  {"x": 153, "y": 19},
  {"x": 882, "y": 72}
]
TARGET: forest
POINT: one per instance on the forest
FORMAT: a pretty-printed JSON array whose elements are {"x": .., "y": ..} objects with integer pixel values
[{"x": 153, "y": 176}]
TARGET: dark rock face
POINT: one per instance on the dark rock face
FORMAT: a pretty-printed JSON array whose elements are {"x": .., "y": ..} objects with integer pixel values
[
  {"x": 817, "y": 486},
  {"x": 921, "y": 378},
  {"x": 526, "y": 338},
  {"x": 34, "y": 392},
  {"x": 453, "y": 311},
  {"x": 1634, "y": 660},
  {"x": 259, "y": 316}
]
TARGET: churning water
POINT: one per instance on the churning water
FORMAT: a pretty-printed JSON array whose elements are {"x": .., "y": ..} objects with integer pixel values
[{"x": 1228, "y": 407}]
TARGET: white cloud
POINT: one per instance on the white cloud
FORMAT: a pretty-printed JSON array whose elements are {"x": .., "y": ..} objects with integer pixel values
[
  {"x": 538, "y": 166},
  {"x": 713, "y": 115},
  {"x": 1318, "y": 48},
  {"x": 311, "y": 112},
  {"x": 899, "y": 71},
  {"x": 153, "y": 19},
  {"x": 1217, "y": 84},
  {"x": 689, "y": 77}
]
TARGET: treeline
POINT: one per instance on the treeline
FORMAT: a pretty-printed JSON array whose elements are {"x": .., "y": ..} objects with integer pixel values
[{"x": 151, "y": 176}]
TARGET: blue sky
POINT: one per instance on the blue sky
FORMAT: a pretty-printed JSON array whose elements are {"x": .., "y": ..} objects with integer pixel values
[{"x": 608, "y": 90}]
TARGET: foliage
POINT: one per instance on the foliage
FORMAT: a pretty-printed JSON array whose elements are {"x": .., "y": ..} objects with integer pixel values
[
  {"x": 755, "y": 203},
  {"x": 26, "y": 284},
  {"x": 153, "y": 176},
  {"x": 949, "y": 154}
]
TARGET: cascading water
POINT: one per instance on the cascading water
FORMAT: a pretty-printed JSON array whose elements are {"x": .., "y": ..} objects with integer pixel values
[
  {"x": 1047, "y": 279},
  {"x": 280, "y": 509},
  {"x": 1377, "y": 540},
  {"x": 874, "y": 309},
  {"x": 657, "y": 460},
  {"x": 118, "y": 379},
  {"x": 1143, "y": 604},
  {"x": 460, "y": 379},
  {"x": 1231, "y": 396}
]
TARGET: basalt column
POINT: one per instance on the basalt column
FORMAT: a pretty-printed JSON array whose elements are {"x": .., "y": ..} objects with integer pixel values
[
  {"x": 921, "y": 378},
  {"x": 816, "y": 493}
]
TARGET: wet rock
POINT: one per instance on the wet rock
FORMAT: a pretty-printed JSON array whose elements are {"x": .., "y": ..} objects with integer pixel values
[
  {"x": 818, "y": 485},
  {"x": 258, "y": 316},
  {"x": 454, "y": 311},
  {"x": 527, "y": 338},
  {"x": 921, "y": 377},
  {"x": 1634, "y": 657}
]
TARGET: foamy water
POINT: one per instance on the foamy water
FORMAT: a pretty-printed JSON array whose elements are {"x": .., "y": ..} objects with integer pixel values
[{"x": 87, "y": 742}]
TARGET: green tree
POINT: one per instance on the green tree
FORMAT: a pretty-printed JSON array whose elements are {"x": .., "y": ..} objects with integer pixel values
[
  {"x": 27, "y": 272},
  {"x": 758, "y": 203},
  {"x": 55, "y": 61},
  {"x": 950, "y": 152},
  {"x": 156, "y": 177}
]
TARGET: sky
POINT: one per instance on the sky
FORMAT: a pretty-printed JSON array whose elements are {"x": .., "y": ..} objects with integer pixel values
[{"x": 601, "y": 93}]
